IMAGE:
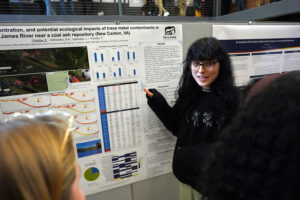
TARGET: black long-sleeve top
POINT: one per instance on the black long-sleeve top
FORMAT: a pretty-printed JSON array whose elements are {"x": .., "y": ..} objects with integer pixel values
[{"x": 196, "y": 130}]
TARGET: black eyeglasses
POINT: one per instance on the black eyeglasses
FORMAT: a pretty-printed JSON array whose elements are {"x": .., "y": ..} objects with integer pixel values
[{"x": 195, "y": 66}]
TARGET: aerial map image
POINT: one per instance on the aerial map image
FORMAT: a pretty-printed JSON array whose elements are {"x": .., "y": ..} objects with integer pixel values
[
  {"x": 26, "y": 71},
  {"x": 23, "y": 61},
  {"x": 23, "y": 84}
]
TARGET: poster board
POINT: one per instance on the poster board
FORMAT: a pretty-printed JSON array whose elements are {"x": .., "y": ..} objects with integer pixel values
[
  {"x": 258, "y": 50},
  {"x": 96, "y": 73}
]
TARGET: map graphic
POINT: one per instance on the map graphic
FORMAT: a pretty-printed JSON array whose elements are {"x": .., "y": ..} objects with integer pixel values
[
  {"x": 22, "y": 84},
  {"x": 27, "y": 61},
  {"x": 26, "y": 71}
]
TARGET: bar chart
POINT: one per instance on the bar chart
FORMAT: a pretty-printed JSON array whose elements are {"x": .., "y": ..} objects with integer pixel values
[{"x": 114, "y": 63}]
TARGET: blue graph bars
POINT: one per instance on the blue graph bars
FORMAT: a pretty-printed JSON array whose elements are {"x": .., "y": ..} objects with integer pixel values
[
  {"x": 102, "y": 57},
  {"x": 96, "y": 57},
  {"x": 104, "y": 121},
  {"x": 115, "y": 63},
  {"x": 119, "y": 58},
  {"x": 129, "y": 56}
]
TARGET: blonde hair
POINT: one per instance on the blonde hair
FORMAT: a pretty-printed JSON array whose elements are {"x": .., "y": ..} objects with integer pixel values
[{"x": 37, "y": 159}]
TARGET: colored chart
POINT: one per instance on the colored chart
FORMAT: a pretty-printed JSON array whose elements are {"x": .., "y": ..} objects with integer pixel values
[
  {"x": 79, "y": 108},
  {"x": 120, "y": 115},
  {"x": 25, "y": 103},
  {"x": 114, "y": 63},
  {"x": 86, "y": 119},
  {"x": 8, "y": 115},
  {"x": 125, "y": 166},
  {"x": 91, "y": 174},
  {"x": 86, "y": 130},
  {"x": 72, "y": 97},
  {"x": 79, "y": 103}
]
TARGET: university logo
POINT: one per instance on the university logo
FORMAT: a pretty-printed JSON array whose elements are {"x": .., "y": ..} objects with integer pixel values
[{"x": 170, "y": 32}]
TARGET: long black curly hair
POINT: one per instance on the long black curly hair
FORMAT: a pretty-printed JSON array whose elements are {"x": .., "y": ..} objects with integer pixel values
[
  {"x": 259, "y": 156},
  {"x": 225, "y": 95}
]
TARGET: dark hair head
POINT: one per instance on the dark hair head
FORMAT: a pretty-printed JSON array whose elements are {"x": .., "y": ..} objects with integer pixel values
[
  {"x": 208, "y": 48},
  {"x": 258, "y": 157}
]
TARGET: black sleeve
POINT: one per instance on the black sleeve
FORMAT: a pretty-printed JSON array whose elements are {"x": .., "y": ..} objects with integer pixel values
[{"x": 169, "y": 116}]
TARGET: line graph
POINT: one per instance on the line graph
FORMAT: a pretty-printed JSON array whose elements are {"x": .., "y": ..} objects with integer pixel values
[
  {"x": 85, "y": 132},
  {"x": 19, "y": 104},
  {"x": 72, "y": 97},
  {"x": 8, "y": 115},
  {"x": 86, "y": 119},
  {"x": 75, "y": 109},
  {"x": 79, "y": 103}
]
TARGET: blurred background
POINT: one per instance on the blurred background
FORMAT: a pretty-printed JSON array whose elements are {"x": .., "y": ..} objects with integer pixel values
[{"x": 163, "y": 8}]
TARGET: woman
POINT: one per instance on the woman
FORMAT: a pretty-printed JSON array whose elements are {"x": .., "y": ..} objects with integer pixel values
[
  {"x": 206, "y": 102},
  {"x": 38, "y": 160}
]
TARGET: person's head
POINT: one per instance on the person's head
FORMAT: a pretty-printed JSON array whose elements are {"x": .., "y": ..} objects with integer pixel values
[
  {"x": 207, "y": 64},
  {"x": 38, "y": 160},
  {"x": 258, "y": 157},
  {"x": 212, "y": 69}
]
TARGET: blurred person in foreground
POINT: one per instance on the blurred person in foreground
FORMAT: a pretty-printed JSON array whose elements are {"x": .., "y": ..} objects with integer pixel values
[
  {"x": 38, "y": 159},
  {"x": 258, "y": 156}
]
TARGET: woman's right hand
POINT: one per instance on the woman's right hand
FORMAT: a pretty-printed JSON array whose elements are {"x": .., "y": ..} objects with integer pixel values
[{"x": 149, "y": 94}]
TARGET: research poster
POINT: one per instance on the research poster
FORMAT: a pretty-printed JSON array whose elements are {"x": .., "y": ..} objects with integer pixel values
[
  {"x": 96, "y": 73},
  {"x": 258, "y": 50}
]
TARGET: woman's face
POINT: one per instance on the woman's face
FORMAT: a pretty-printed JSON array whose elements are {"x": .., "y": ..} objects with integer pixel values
[
  {"x": 76, "y": 192},
  {"x": 205, "y": 72}
]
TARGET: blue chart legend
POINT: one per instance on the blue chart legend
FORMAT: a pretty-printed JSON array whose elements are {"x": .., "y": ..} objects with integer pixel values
[
  {"x": 120, "y": 115},
  {"x": 114, "y": 63},
  {"x": 125, "y": 166}
]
